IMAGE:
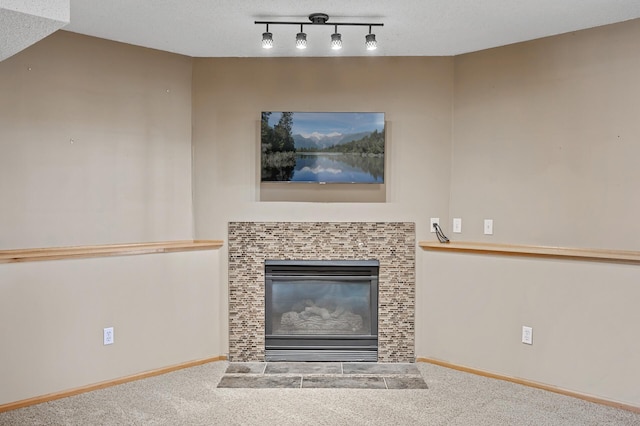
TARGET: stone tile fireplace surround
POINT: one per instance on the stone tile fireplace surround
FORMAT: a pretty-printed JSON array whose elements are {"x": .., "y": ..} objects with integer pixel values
[{"x": 391, "y": 243}]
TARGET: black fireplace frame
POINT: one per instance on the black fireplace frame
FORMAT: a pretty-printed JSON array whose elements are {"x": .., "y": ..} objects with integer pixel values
[{"x": 334, "y": 347}]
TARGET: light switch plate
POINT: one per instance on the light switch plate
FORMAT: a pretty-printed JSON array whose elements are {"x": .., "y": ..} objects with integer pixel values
[
  {"x": 488, "y": 227},
  {"x": 457, "y": 225}
]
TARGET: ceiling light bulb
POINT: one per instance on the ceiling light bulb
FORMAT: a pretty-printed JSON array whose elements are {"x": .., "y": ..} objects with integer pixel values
[
  {"x": 371, "y": 42},
  {"x": 267, "y": 40},
  {"x": 336, "y": 41},
  {"x": 301, "y": 41}
]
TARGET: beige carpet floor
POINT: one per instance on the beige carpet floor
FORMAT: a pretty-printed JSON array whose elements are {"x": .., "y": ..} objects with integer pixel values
[{"x": 191, "y": 397}]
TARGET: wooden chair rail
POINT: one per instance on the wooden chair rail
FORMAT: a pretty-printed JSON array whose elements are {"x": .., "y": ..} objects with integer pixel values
[
  {"x": 598, "y": 255},
  {"x": 58, "y": 253}
]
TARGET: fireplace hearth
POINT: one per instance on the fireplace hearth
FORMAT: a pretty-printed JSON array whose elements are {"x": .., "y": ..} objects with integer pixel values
[{"x": 321, "y": 310}]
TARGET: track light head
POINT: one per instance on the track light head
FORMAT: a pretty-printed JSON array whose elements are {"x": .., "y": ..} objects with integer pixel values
[
  {"x": 267, "y": 40},
  {"x": 301, "y": 41},
  {"x": 370, "y": 42},
  {"x": 336, "y": 40}
]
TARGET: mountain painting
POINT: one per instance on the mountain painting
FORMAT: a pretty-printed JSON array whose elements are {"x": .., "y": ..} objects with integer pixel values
[{"x": 323, "y": 147}]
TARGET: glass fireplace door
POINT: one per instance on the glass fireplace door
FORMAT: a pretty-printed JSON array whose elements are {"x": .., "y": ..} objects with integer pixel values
[
  {"x": 318, "y": 310},
  {"x": 320, "y": 307}
]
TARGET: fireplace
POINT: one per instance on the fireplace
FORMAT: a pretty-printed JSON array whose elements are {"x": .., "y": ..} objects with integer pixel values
[
  {"x": 392, "y": 244},
  {"x": 321, "y": 310}
]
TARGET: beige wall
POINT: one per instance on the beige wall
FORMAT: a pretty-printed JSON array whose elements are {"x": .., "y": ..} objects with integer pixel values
[
  {"x": 52, "y": 314},
  {"x": 584, "y": 317},
  {"x": 229, "y": 94},
  {"x": 546, "y": 144},
  {"x": 126, "y": 178},
  {"x": 95, "y": 144},
  {"x": 546, "y": 140}
]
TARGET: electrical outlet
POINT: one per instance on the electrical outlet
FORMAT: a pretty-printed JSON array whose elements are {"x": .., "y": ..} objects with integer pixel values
[
  {"x": 457, "y": 225},
  {"x": 435, "y": 220},
  {"x": 107, "y": 336},
  {"x": 527, "y": 335},
  {"x": 488, "y": 227}
]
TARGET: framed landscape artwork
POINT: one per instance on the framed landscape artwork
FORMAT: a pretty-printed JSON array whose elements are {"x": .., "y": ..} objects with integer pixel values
[{"x": 322, "y": 147}]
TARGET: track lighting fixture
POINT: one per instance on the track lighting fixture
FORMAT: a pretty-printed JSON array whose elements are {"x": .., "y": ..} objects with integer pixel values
[{"x": 319, "y": 19}]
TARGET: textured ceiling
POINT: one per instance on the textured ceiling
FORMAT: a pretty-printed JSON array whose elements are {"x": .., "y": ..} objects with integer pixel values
[
  {"x": 225, "y": 28},
  {"x": 23, "y": 23}
]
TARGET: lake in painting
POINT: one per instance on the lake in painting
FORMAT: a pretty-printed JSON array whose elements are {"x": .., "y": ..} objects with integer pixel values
[
  {"x": 338, "y": 167},
  {"x": 322, "y": 147}
]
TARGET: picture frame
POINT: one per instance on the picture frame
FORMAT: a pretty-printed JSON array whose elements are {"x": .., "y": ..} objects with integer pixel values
[{"x": 322, "y": 147}]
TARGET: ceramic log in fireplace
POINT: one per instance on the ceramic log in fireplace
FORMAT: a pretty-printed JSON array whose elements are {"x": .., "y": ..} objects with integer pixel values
[{"x": 321, "y": 310}]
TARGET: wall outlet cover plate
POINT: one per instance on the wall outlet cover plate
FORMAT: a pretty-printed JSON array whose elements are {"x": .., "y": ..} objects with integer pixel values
[
  {"x": 433, "y": 220},
  {"x": 107, "y": 336}
]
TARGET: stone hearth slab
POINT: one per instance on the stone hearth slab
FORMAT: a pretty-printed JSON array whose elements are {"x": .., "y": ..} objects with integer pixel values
[
  {"x": 259, "y": 381},
  {"x": 398, "y": 382},
  {"x": 379, "y": 368},
  {"x": 246, "y": 368},
  {"x": 303, "y": 368},
  {"x": 309, "y": 375},
  {"x": 343, "y": 382}
]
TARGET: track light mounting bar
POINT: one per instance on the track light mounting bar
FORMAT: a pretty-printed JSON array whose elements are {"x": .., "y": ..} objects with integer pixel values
[{"x": 320, "y": 19}]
